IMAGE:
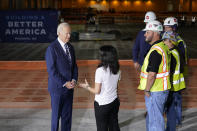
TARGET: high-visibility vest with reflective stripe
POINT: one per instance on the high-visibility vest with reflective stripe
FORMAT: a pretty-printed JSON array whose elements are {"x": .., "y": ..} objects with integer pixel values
[
  {"x": 178, "y": 82},
  {"x": 162, "y": 81},
  {"x": 179, "y": 40}
]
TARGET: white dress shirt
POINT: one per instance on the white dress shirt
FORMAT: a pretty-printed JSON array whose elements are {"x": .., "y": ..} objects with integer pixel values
[{"x": 62, "y": 44}]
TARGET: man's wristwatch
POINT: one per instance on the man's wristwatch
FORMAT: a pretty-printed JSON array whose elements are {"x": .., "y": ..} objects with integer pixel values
[{"x": 146, "y": 91}]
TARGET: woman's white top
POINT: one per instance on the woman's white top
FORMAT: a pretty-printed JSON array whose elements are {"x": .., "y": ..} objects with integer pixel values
[{"x": 109, "y": 83}]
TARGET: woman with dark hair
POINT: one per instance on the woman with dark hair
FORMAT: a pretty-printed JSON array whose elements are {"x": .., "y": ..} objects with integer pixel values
[{"x": 106, "y": 104}]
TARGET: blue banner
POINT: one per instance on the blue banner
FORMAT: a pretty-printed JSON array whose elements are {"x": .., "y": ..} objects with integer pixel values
[{"x": 28, "y": 26}]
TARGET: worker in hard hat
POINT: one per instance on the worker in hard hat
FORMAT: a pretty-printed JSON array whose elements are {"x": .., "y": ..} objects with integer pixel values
[
  {"x": 174, "y": 103},
  {"x": 171, "y": 24},
  {"x": 141, "y": 47},
  {"x": 155, "y": 77}
]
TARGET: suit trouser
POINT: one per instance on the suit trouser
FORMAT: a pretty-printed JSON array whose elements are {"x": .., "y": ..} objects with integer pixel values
[
  {"x": 174, "y": 110},
  {"x": 107, "y": 116},
  {"x": 155, "y": 109},
  {"x": 61, "y": 107}
]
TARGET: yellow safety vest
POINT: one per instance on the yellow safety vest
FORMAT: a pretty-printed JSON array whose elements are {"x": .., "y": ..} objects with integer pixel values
[
  {"x": 178, "y": 82},
  {"x": 162, "y": 81},
  {"x": 179, "y": 40}
]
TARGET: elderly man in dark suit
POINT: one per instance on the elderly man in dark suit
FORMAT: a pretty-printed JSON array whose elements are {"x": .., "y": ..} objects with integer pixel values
[{"x": 63, "y": 74}]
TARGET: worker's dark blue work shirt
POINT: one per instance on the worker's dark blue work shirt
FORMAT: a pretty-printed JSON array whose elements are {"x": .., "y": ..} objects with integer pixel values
[{"x": 140, "y": 48}]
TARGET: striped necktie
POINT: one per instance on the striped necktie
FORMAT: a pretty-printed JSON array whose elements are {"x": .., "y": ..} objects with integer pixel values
[{"x": 68, "y": 53}]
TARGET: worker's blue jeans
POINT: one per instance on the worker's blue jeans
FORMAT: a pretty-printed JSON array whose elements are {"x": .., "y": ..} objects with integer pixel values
[
  {"x": 174, "y": 110},
  {"x": 155, "y": 109}
]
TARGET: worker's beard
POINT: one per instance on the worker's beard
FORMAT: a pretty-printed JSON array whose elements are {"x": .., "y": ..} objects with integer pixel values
[{"x": 148, "y": 39}]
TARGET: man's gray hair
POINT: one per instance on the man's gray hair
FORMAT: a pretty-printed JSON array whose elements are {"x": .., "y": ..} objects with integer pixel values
[{"x": 60, "y": 27}]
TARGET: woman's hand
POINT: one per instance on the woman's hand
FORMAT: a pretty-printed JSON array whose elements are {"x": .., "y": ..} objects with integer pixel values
[{"x": 85, "y": 85}]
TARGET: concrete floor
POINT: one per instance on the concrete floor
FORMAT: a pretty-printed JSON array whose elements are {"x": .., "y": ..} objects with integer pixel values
[
  {"x": 83, "y": 120},
  {"x": 25, "y": 102}
]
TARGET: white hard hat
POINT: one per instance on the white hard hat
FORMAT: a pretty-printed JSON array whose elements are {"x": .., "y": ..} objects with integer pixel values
[
  {"x": 154, "y": 26},
  {"x": 170, "y": 21},
  {"x": 150, "y": 16}
]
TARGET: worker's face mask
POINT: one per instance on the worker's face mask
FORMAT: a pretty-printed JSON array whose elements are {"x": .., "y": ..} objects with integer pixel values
[{"x": 168, "y": 28}]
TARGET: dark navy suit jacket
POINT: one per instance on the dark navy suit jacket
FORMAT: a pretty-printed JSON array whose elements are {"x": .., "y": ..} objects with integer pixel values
[
  {"x": 140, "y": 48},
  {"x": 59, "y": 69}
]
